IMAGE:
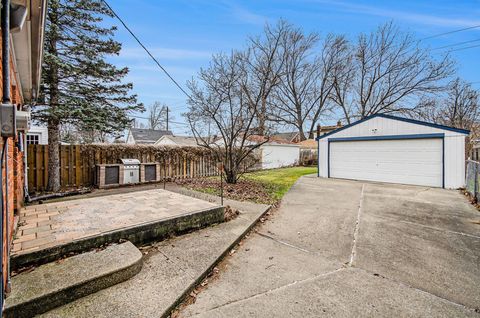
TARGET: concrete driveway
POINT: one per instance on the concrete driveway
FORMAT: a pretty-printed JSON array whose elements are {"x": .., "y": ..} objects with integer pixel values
[{"x": 354, "y": 249}]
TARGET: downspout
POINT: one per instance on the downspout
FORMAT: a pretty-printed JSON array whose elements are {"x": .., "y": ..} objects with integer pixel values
[{"x": 5, "y": 100}]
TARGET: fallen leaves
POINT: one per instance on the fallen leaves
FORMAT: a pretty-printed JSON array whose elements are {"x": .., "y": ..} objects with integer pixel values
[{"x": 243, "y": 190}]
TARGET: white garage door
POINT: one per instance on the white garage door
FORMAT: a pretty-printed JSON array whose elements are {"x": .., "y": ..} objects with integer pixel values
[{"x": 407, "y": 161}]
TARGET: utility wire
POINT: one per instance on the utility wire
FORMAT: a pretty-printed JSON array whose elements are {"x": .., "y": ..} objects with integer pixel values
[
  {"x": 450, "y": 32},
  {"x": 170, "y": 122},
  {"x": 465, "y": 48},
  {"x": 145, "y": 48},
  {"x": 455, "y": 44}
]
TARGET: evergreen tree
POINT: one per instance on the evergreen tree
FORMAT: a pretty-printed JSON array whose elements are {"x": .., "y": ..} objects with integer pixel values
[{"x": 80, "y": 87}]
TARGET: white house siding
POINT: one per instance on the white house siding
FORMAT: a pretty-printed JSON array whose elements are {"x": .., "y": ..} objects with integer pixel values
[
  {"x": 380, "y": 126},
  {"x": 130, "y": 139},
  {"x": 279, "y": 155},
  {"x": 165, "y": 142},
  {"x": 41, "y": 132}
]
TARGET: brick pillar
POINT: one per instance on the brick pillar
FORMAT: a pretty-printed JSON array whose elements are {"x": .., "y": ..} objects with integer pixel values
[
  {"x": 157, "y": 171},
  {"x": 121, "y": 174},
  {"x": 142, "y": 173}
]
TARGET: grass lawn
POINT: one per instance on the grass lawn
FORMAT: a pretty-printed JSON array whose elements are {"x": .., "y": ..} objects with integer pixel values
[
  {"x": 268, "y": 186},
  {"x": 279, "y": 181}
]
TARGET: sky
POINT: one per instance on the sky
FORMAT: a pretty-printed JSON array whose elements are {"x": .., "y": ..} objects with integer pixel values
[{"x": 183, "y": 34}]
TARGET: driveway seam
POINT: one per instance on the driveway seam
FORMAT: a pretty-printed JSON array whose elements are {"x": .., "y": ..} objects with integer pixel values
[
  {"x": 425, "y": 226},
  {"x": 417, "y": 289},
  {"x": 276, "y": 288},
  {"x": 357, "y": 227}
]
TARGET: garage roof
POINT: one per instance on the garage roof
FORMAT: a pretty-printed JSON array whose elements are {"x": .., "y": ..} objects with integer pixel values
[{"x": 408, "y": 120}]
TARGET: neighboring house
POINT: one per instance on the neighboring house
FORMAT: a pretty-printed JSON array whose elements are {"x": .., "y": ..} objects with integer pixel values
[
  {"x": 295, "y": 136},
  {"x": 37, "y": 135},
  {"x": 20, "y": 76},
  {"x": 177, "y": 141},
  {"x": 393, "y": 149},
  {"x": 145, "y": 136}
]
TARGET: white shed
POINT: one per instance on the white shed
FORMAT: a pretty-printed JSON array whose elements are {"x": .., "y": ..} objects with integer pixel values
[
  {"x": 277, "y": 155},
  {"x": 386, "y": 148}
]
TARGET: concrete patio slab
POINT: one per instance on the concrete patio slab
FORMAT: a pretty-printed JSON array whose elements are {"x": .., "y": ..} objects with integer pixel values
[
  {"x": 48, "y": 231},
  {"x": 319, "y": 218},
  {"x": 342, "y": 293},
  {"x": 382, "y": 250},
  {"x": 171, "y": 269},
  {"x": 443, "y": 263}
]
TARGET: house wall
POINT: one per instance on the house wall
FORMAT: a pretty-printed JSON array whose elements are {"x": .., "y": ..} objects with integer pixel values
[
  {"x": 276, "y": 156},
  {"x": 13, "y": 182},
  {"x": 130, "y": 139},
  {"x": 165, "y": 141},
  {"x": 41, "y": 131},
  {"x": 379, "y": 126}
]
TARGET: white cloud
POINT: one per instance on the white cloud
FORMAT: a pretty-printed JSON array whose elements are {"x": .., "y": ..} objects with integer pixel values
[
  {"x": 419, "y": 18},
  {"x": 244, "y": 15}
]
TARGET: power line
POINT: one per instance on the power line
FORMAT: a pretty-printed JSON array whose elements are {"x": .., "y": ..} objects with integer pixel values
[
  {"x": 450, "y": 32},
  {"x": 455, "y": 44},
  {"x": 465, "y": 48},
  {"x": 145, "y": 48},
  {"x": 170, "y": 122}
]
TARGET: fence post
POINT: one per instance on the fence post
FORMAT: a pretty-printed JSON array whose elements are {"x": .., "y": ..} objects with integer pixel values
[{"x": 475, "y": 186}]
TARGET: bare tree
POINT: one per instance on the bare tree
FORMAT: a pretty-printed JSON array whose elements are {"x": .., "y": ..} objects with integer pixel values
[
  {"x": 302, "y": 95},
  {"x": 221, "y": 115},
  {"x": 388, "y": 72},
  {"x": 458, "y": 107},
  {"x": 157, "y": 116},
  {"x": 263, "y": 65}
]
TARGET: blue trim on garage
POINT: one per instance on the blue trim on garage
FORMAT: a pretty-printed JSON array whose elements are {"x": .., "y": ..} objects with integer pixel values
[
  {"x": 328, "y": 160},
  {"x": 390, "y": 137},
  {"x": 443, "y": 162},
  {"x": 408, "y": 120}
]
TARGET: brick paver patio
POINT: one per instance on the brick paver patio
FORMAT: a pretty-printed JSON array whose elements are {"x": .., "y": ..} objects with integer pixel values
[{"x": 47, "y": 225}]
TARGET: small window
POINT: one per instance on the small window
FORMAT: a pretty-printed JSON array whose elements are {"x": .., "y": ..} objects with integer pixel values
[{"x": 33, "y": 139}]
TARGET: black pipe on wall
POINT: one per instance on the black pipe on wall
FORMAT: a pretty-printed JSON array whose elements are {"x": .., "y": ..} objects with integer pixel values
[{"x": 6, "y": 51}]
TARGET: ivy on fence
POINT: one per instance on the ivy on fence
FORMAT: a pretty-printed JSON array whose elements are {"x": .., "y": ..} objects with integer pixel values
[{"x": 77, "y": 162}]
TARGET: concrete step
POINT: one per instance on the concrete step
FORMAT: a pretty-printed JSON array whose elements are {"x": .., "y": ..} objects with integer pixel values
[
  {"x": 58, "y": 283},
  {"x": 138, "y": 234}
]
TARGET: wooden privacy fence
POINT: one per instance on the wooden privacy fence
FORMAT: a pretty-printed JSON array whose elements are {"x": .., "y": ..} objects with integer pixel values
[
  {"x": 308, "y": 157},
  {"x": 78, "y": 162}
]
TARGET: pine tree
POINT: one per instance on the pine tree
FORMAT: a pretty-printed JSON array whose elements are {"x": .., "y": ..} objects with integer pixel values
[{"x": 80, "y": 87}]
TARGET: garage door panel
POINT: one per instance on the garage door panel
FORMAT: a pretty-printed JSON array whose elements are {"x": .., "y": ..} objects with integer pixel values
[{"x": 412, "y": 161}]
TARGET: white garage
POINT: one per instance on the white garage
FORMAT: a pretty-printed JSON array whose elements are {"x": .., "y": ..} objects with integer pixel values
[
  {"x": 393, "y": 149},
  {"x": 277, "y": 155}
]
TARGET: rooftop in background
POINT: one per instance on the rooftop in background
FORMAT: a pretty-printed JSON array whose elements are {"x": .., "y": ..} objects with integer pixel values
[
  {"x": 308, "y": 144},
  {"x": 269, "y": 140},
  {"x": 145, "y": 136},
  {"x": 177, "y": 141},
  {"x": 294, "y": 136}
]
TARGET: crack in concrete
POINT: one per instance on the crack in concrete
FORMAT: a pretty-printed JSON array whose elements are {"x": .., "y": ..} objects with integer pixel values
[
  {"x": 275, "y": 289},
  {"x": 357, "y": 227},
  {"x": 285, "y": 243},
  {"x": 177, "y": 264}
]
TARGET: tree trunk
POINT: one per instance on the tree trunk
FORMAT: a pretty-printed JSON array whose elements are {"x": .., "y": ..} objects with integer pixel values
[
  {"x": 230, "y": 176},
  {"x": 301, "y": 133},
  {"x": 53, "y": 156}
]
